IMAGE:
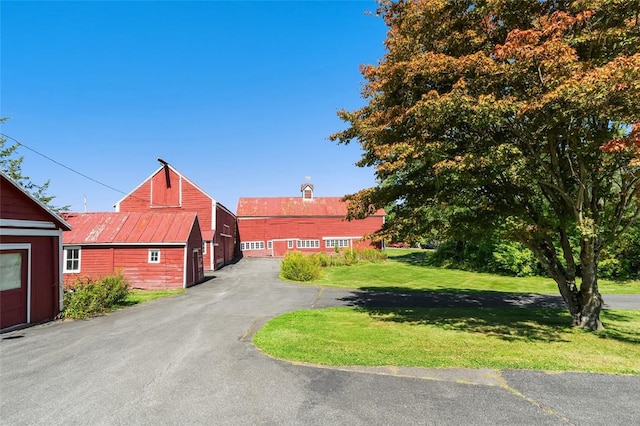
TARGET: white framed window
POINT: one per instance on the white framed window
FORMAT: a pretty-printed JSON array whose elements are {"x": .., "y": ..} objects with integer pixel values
[
  {"x": 154, "y": 256},
  {"x": 308, "y": 244},
  {"x": 290, "y": 244},
  {"x": 252, "y": 245},
  {"x": 72, "y": 259},
  {"x": 204, "y": 247},
  {"x": 10, "y": 271},
  {"x": 336, "y": 242},
  {"x": 269, "y": 245}
]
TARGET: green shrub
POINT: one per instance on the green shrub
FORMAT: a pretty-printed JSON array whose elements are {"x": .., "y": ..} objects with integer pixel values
[
  {"x": 371, "y": 255},
  {"x": 491, "y": 255},
  {"x": 323, "y": 259},
  {"x": 87, "y": 298},
  {"x": 513, "y": 259},
  {"x": 349, "y": 256},
  {"x": 297, "y": 266}
]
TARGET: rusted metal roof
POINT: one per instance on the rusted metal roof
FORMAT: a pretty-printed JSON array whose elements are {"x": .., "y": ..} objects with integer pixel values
[
  {"x": 292, "y": 207},
  {"x": 129, "y": 228}
]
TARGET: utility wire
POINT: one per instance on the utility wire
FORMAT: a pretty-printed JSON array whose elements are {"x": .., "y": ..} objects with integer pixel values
[
  {"x": 73, "y": 170},
  {"x": 62, "y": 165}
]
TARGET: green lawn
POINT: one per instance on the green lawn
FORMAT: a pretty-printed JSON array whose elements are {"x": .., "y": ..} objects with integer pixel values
[
  {"x": 455, "y": 338},
  {"x": 406, "y": 270},
  {"x": 140, "y": 296},
  {"x": 501, "y": 338}
]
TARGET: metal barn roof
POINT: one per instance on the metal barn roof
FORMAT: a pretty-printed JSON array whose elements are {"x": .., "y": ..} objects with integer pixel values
[
  {"x": 293, "y": 206},
  {"x": 129, "y": 228}
]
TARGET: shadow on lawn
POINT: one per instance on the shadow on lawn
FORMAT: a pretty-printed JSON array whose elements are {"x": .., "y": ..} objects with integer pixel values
[
  {"x": 545, "y": 318},
  {"x": 502, "y": 315},
  {"x": 413, "y": 258},
  {"x": 616, "y": 331}
]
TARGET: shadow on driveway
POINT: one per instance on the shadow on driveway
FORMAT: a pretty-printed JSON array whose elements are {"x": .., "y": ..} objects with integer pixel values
[{"x": 395, "y": 297}]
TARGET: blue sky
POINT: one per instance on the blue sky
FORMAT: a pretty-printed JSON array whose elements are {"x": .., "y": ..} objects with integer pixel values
[{"x": 239, "y": 96}]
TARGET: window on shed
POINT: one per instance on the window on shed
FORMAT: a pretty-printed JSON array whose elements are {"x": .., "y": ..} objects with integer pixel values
[
  {"x": 10, "y": 271},
  {"x": 269, "y": 245},
  {"x": 290, "y": 244},
  {"x": 72, "y": 259},
  {"x": 154, "y": 256}
]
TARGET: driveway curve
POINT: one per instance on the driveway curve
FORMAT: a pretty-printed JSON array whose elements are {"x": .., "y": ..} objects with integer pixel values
[{"x": 187, "y": 359}]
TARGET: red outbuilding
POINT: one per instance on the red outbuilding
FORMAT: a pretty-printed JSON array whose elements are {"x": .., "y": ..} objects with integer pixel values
[
  {"x": 154, "y": 250},
  {"x": 168, "y": 190},
  {"x": 30, "y": 258},
  {"x": 274, "y": 226}
]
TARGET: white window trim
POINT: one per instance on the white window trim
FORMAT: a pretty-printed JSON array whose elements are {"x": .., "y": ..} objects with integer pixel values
[
  {"x": 340, "y": 242},
  {"x": 64, "y": 261},
  {"x": 307, "y": 244},
  {"x": 251, "y": 245},
  {"x": 151, "y": 251}
]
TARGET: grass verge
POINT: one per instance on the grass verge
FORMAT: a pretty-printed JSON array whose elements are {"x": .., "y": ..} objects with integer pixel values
[
  {"x": 509, "y": 338},
  {"x": 140, "y": 296}
]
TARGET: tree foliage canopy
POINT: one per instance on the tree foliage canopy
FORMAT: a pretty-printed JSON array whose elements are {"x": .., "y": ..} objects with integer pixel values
[{"x": 521, "y": 116}]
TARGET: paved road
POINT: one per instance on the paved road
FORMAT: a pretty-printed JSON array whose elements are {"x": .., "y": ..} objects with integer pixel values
[{"x": 188, "y": 359}]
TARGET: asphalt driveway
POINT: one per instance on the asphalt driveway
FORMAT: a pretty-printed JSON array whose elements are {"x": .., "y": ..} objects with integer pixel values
[{"x": 188, "y": 359}]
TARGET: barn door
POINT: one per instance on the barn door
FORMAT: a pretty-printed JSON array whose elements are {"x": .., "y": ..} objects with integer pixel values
[{"x": 14, "y": 287}]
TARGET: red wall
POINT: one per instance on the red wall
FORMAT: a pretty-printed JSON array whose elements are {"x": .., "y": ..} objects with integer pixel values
[
  {"x": 303, "y": 228},
  {"x": 99, "y": 261},
  {"x": 45, "y": 256},
  {"x": 195, "y": 266},
  {"x": 193, "y": 199},
  {"x": 225, "y": 249},
  {"x": 45, "y": 300}
]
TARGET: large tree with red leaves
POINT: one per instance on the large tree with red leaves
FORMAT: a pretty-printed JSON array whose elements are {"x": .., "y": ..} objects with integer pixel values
[{"x": 509, "y": 115}]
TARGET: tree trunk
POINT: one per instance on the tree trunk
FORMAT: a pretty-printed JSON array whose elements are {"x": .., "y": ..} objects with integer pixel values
[
  {"x": 590, "y": 297},
  {"x": 585, "y": 303}
]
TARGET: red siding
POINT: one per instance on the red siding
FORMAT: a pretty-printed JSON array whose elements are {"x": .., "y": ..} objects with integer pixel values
[
  {"x": 303, "y": 228},
  {"x": 165, "y": 189},
  {"x": 176, "y": 260},
  {"x": 190, "y": 198},
  {"x": 194, "y": 264},
  {"x": 45, "y": 285},
  {"x": 99, "y": 261},
  {"x": 16, "y": 206},
  {"x": 44, "y": 249},
  {"x": 225, "y": 249}
]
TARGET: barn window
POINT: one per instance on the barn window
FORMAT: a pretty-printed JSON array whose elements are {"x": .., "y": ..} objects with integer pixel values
[
  {"x": 154, "y": 256},
  {"x": 269, "y": 245},
  {"x": 308, "y": 244},
  {"x": 204, "y": 247},
  {"x": 72, "y": 259},
  {"x": 331, "y": 243},
  {"x": 10, "y": 271},
  {"x": 252, "y": 245},
  {"x": 290, "y": 244}
]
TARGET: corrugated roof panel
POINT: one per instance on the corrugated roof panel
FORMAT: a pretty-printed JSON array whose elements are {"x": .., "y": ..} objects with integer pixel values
[
  {"x": 292, "y": 206},
  {"x": 147, "y": 227}
]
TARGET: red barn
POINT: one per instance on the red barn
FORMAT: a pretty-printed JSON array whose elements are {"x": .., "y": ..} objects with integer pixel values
[
  {"x": 30, "y": 258},
  {"x": 154, "y": 250},
  {"x": 273, "y": 226},
  {"x": 168, "y": 190}
]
